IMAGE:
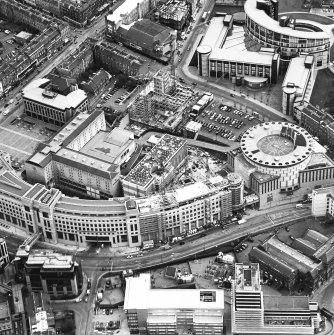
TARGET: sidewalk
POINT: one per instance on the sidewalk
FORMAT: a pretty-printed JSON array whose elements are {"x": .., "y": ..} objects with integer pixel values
[{"x": 211, "y": 82}]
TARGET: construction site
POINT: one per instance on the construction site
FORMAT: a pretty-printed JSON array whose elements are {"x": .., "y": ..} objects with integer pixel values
[
  {"x": 162, "y": 103},
  {"x": 158, "y": 167}
]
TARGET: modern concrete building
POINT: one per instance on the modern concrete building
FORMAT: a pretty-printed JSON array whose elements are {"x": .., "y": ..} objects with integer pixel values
[
  {"x": 53, "y": 273},
  {"x": 116, "y": 222},
  {"x": 83, "y": 158},
  {"x": 322, "y": 202},
  {"x": 44, "y": 102},
  {"x": 297, "y": 82},
  {"x": 170, "y": 311},
  {"x": 225, "y": 52},
  {"x": 280, "y": 161},
  {"x": 254, "y": 313},
  {"x": 293, "y": 33}
]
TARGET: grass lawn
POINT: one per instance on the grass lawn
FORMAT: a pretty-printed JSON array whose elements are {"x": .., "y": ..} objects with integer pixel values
[{"x": 323, "y": 91}]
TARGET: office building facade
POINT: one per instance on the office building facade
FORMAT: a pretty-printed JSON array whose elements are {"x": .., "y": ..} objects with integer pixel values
[
  {"x": 53, "y": 273},
  {"x": 281, "y": 161},
  {"x": 43, "y": 102},
  {"x": 293, "y": 35},
  {"x": 162, "y": 311},
  {"x": 254, "y": 313},
  {"x": 117, "y": 222}
]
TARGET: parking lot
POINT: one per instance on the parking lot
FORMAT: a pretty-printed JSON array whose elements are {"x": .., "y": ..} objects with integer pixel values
[
  {"x": 19, "y": 136},
  {"x": 10, "y": 47},
  {"x": 224, "y": 123}
]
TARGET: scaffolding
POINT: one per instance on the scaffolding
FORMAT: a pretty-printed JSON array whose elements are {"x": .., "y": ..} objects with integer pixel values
[{"x": 161, "y": 103}]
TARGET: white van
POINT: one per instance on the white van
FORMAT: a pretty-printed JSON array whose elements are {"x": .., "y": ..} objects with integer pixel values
[{"x": 299, "y": 206}]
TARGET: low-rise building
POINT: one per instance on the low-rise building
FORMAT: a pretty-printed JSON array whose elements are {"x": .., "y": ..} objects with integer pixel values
[
  {"x": 152, "y": 311},
  {"x": 115, "y": 58},
  {"x": 97, "y": 82},
  {"x": 32, "y": 17},
  {"x": 307, "y": 263},
  {"x": 52, "y": 273},
  {"x": 38, "y": 50},
  {"x": 43, "y": 101},
  {"x": 78, "y": 60},
  {"x": 41, "y": 317}
]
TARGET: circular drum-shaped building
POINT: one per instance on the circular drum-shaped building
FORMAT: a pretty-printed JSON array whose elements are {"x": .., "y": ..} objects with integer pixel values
[{"x": 278, "y": 148}]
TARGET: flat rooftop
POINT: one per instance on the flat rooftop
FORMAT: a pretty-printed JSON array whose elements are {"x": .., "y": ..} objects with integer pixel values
[
  {"x": 277, "y": 303},
  {"x": 297, "y": 73},
  {"x": 140, "y": 295},
  {"x": 107, "y": 146},
  {"x": 247, "y": 277},
  {"x": 125, "y": 8},
  {"x": 276, "y": 144},
  {"x": 49, "y": 259},
  {"x": 83, "y": 206},
  {"x": 267, "y": 22},
  {"x": 34, "y": 91}
]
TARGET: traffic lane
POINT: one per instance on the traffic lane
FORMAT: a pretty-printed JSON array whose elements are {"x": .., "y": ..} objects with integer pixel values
[{"x": 176, "y": 254}]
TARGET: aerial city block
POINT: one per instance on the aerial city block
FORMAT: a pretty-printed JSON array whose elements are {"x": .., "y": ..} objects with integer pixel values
[{"x": 166, "y": 167}]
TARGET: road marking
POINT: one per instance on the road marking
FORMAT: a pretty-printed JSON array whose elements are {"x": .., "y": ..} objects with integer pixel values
[
  {"x": 17, "y": 133},
  {"x": 15, "y": 149}
]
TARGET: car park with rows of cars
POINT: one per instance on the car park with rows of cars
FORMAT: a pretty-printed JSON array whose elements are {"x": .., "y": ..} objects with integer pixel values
[{"x": 224, "y": 122}]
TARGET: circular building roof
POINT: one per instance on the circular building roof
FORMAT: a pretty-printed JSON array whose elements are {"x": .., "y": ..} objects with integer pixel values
[
  {"x": 204, "y": 49},
  {"x": 276, "y": 144}
]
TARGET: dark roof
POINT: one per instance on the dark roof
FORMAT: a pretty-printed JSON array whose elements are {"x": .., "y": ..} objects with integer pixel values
[
  {"x": 315, "y": 237},
  {"x": 170, "y": 271},
  {"x": 145, "y": 32},
  {"x": 96, "y": 80},
  {"x": 277, "y": 303},
  {"x": 61, "y": 84},
  {"x": 265, "y": 258},
  {"x": 304, "y": 246}
]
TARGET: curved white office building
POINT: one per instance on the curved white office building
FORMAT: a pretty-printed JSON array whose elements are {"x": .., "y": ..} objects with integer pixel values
[{"x": 292, "y": 33}]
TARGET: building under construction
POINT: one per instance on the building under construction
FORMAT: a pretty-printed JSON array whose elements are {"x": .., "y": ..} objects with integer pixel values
[
  {"x": 161, "y": 103},
  {"x": 157, "y": 168},
  {"x": 175, "y": 14}
]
